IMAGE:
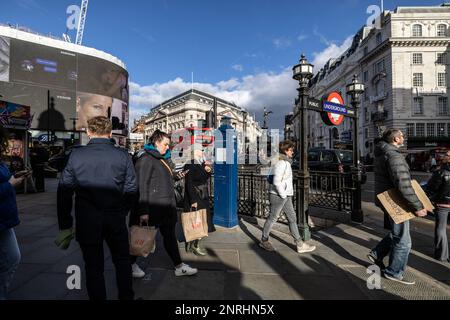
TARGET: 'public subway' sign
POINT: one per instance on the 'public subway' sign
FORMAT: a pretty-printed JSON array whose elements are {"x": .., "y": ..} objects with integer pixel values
[{"x": 334, "y": 110}]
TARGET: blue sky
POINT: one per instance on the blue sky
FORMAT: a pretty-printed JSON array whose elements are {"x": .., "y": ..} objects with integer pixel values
[{"x": 240, "y": 50}]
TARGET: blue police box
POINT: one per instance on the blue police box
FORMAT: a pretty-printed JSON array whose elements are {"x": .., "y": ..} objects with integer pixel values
[{"x": 225, "y": 176}]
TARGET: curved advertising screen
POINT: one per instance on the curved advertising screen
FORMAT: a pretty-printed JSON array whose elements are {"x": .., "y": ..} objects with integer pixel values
[{"x": 63, "y": 88}]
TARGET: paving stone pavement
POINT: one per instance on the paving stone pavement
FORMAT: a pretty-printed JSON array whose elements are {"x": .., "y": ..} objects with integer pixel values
[{"x": 236, "y": 267}]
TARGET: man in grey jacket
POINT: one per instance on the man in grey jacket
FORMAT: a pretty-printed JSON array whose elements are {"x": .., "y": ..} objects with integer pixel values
[{"x": 392, "y": 172}]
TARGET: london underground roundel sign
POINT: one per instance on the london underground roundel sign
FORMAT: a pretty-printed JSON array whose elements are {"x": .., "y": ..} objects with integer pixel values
[{"x": 334, "y": 119}]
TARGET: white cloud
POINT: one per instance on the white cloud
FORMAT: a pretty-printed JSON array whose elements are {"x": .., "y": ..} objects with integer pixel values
[
  {"x": 332, "y": 51},
  {"x": 238, "y": 67},
  {"x": 281, "y": 43},
  {"x": 275, "y": 91}
]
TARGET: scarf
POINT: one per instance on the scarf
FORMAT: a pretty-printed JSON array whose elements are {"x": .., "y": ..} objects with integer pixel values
[{"x": 150, "y": 147}]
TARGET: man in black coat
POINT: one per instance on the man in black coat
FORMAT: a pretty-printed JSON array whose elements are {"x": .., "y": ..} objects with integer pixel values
[
  {"x": 392, "y": 172},
  {"x": 103, "y": 179}
]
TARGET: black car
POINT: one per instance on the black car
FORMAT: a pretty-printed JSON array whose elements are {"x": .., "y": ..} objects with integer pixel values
[
  {"x": 59, "y": 161},
  {"x": 331, "y": 160}
]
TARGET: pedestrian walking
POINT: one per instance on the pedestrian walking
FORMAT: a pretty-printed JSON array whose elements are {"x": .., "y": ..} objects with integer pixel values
[
  {"x": 439, "y": 187},
  {"x": 392, "y": 172},
  {"x": 281, "y": 192},
  {"x": 157, "y": 204},
  {"x": 196, "y": 193},
  {"x": 38, "y": 159},
  {"x": 9, "y": 218},
  {"x": 103, "y": 179}
]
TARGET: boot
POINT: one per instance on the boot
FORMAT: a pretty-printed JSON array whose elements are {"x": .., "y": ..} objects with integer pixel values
[{"x": 197, "y": 249}]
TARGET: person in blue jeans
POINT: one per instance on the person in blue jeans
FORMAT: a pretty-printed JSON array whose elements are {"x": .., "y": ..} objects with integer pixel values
[
  {"x": 9, "y": 218},
  {"x": 439, "y": 187},
  {"x": 392, "y": 172}
]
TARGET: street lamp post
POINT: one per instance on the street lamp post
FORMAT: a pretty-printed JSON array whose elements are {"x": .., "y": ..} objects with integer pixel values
[
  {"x": 355, "y": 89},
  {"x": 303, "y": 72}
]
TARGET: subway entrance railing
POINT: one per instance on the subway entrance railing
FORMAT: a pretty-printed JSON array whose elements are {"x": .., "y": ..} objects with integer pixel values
[{"x": 328, "y": 190}]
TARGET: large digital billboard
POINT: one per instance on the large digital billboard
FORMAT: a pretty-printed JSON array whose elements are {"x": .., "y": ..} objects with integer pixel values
[
  {"x": 63, "y": 88},
  {"x": 35, "y": 64},
  {"x": 4, "y": 59}
]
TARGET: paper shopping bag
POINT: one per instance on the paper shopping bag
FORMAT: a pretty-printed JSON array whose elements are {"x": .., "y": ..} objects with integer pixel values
[
  {"x": 195, "y": 225},
  {"x": 142, "y": 240}
]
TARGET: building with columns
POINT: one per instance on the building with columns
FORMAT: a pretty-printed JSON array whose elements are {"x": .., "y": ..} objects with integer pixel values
[
  {"x": 190, "y": 109},
  {"x": 403, "y": 64}
]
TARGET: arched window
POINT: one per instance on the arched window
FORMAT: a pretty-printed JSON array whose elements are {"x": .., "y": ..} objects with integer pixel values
[
  {"x": 441, "y": 30},
  {"x": 417, "y": 30}
]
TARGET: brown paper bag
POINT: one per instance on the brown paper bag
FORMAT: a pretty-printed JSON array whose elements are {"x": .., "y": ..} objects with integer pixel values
[
  {"x": 142, "y": 240},
  {"x": 195, "y": 225},
  {"x": 397, "y": 207}
]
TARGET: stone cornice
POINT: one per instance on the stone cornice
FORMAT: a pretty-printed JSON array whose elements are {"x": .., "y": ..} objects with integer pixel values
[
  {"x": 406, "y": 42},
  {"x": 420, "y": 42},
  {"x": 375, "y": 52}
]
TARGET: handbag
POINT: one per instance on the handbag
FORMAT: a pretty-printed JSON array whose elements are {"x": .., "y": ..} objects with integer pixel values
[
  {"x": 142, "y": 240},
  {"x": 179, "y": 195},
  {"x": 195, "y": 225},
  {"x": 202, "y": 191}
]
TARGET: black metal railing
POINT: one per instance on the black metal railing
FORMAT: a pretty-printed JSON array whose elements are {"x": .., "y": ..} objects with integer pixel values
[{"x": 329, "y": 190}]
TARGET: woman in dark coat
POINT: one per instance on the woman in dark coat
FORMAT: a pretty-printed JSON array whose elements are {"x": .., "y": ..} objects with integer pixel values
[
  {"x": 439, "y": 185},
  {"x": 156, "y": 205},
  {"x": 196, "y": 193}
]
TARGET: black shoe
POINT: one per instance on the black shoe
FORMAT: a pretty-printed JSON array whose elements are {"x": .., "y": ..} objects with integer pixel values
[
  {"x": 376, "y": 262},
  {"x": 403, "y": 280}
]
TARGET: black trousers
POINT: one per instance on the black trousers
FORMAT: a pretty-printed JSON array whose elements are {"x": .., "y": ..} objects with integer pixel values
[
  {"x": 115, "y": 233},
  {"x": 39, "y": 177},
  {"x": 170, "y": 244}
]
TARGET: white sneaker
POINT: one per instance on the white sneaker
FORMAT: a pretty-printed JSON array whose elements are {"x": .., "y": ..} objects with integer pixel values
[
  {"x": 304, "y": 248},
  {"x": 185, "y": 270},
  {"x": 137, "y": 271}
]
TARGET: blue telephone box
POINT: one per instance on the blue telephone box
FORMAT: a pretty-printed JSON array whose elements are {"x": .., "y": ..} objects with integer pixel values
[{"x": 226, "y": 177}]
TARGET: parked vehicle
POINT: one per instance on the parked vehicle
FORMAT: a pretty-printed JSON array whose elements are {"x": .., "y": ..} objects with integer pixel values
[
  {"x": 331, "y": 160},
  {"x": 420, "y": 160},
  {"x": 59, "y": 160}
]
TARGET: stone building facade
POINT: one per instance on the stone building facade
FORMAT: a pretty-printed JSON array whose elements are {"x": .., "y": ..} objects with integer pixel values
[
  {"x": 403, "y": 64},
  {"x": 190, "y": 109}
]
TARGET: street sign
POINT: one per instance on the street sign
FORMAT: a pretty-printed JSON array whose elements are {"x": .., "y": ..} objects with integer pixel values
[
  {"x": 335, "y": 110},
  {"x": 314, "y": 104},
  {"x": 47, "y": 138}
]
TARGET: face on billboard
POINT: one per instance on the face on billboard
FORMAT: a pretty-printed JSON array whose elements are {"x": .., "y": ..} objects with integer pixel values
[
  {"x": 102, "y": 77},
  {"x": 4, "y": 59},
  {"x": 90, "y": 106}
]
